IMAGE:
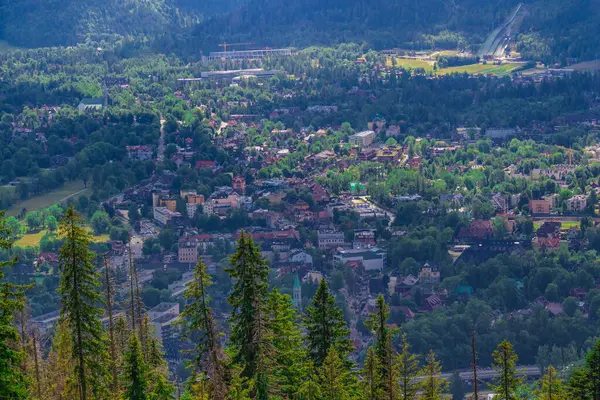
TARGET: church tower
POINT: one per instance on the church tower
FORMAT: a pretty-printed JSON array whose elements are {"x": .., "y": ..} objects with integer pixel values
[{"x": 297, "y": 299}]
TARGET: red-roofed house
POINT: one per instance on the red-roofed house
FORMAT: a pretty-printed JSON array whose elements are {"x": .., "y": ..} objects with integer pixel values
[{"x": 205, "y": 164}]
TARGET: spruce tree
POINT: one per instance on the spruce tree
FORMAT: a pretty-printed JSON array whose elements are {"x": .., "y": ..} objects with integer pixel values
[
  {"x": 408, "y": 370},
  {"x": 551, "y": 386},
  {"x": 13, "y": 380},
  {"x": 58, "y": 379},
  {"x": 371, "y": 383},
  {"x": 249, "y": 316},
  {"x": 505, "y": 364},
  {"x": 310, "y": 390},
  {"x": 200, "y": 324},
  {"x": 326, "y": 327},
  {"x": 457, "y": 388},
  {"x": 384, "y": 350},
  {"x": 432, "y": 385},
  {"x": 159, "y": 387},
  {"x": 135, "y": 379},
  {"x": 289, "y": 365},
  {"x": 80, "y": 301},
  {"x": 335, "y": 381},
  {"x": 578, "y": 386}
]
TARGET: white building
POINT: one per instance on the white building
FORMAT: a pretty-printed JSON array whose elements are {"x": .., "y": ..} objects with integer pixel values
[
  {"x": 577, "y": 203},
  {"x": 192, "y": 208},
  {"x": 330, "y": 238},
  {"x": 300, "y": 256},
  {"x": 163, "y": 215},
  {"x": 372, "y": 259},
  {"x": 362, "y": 139},
  {"x": 89, "y": 104}
]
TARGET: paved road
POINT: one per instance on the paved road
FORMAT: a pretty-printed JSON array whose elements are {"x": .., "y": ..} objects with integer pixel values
[
  {"x": 487, "y": 374},
  {"x": 160, "y": 156}
]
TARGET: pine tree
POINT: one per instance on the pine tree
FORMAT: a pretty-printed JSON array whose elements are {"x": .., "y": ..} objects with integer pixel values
[
  {"x": 249, "y": 317},
  {"x": 80, "y": 297},
  {"x": 505, "y": 363},
  {"x": 371, "y": 384},
  {"x": 432, "y": 385},
  {"x": 551, "y": 386},
  {"x": 384, "y": 350},
  {"x": 326, "y": 327},
  {"x": 199, "y": 322},
  {"x": 135, "y": 379},
  {"x": 408, "y": 370},
  {"x": 289, "y": 364},
  {"x": 13, "y": 380},
  {"x": 335, "y": 381}
]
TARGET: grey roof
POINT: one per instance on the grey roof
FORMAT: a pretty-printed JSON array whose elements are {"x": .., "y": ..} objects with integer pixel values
[{"x": 88, "y": 101}]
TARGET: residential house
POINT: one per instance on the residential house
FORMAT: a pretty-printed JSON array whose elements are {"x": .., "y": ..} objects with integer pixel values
[
  {"x": 477, "y": 231},
  {"x": 429, "y": 274},
  {"x": 313, "y": 277},
  {"x": 319, "y": 194},
  {"x": 187, "y": 251},
  {"x": 142, "y": 152},
  {"x": 433, "y": 302},
  {"x": 548, "y": 236},
  {"x": 239, "y": 184},
  {"x": 577, "y": 203},
  {"x": 363, "y": 238},
  {"x": 300, "y": 256},
  {"x": 367, "y": 154},
  {"x": 205, "y": 164}
]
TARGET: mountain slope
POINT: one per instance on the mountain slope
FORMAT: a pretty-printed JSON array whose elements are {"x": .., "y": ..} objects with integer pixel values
[
  {"x": 553, "y": 29},
  {"x": 382, "y": 23},
  {"x": 34, "y": 23}
]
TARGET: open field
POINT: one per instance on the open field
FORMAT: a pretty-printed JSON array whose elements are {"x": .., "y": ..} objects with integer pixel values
[
  {"x": 411, "y": 63},
  {"x": 33, "y": 239},
  {"x": 503, "y": 69},
  {"x": 565, "y": 225},
  {"x": 74, "y": 189}
]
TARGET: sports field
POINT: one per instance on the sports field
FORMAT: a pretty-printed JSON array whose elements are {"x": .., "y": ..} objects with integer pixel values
[
  {"x": 503, "y": 69},
  {"x": 412, "y": 63}
]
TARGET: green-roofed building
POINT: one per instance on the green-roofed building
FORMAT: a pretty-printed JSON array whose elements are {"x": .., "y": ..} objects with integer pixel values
[
  {"x": 297, "y": 293},
  {"x": 357, "y": 188}
]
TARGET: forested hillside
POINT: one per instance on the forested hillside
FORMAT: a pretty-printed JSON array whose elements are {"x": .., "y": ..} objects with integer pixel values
[
  {"x": 382, "y": 23},
  {"x": 554, "y": 30},
  {"x": 32, "y": 23}
]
